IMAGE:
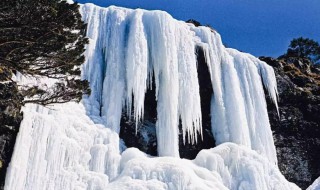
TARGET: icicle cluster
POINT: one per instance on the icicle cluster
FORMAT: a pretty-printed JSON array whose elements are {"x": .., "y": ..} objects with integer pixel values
[{"x": 129, "y": 47}]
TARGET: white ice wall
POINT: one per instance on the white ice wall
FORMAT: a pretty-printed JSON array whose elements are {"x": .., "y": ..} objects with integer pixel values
[
  {"x": 61, "y": 148},
  {"x": 128, "y": 47}
]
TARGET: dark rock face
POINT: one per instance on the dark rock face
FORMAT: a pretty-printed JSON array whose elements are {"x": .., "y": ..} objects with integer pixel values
[
  {"x": 187, "y": 150},
  {"x": 10, "y": 118},
  {"x": 144, "y": 138},
  {"x": 297, "y": 131}
]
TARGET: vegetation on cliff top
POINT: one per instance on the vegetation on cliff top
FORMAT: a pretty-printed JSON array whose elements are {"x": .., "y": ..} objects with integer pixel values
[
  {"x": 43, "y": 39},
  {"x": 304, "y": 48}
]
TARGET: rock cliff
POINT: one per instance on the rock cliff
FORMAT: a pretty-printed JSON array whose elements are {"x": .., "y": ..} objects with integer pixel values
[{"x": 297, "y": 128}]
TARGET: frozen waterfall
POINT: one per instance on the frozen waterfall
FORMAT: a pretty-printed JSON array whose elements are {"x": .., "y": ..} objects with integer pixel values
[
  {"x": 129, "y": 47},
  {"x": 77, "y": 146}
]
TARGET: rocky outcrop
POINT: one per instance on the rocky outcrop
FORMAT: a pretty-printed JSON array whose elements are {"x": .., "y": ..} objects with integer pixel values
[
  {"x": 297, "y": 128},
  {"x": 10, "y": 118}
]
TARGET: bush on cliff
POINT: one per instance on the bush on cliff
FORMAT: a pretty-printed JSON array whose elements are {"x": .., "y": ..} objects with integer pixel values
[
  {"x": 43, "y": 38},
  {"x": 304, "y": 48}
]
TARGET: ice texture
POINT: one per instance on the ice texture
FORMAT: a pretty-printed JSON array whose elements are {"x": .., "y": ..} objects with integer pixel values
[
  {"x": 129, "y": 47},
  {"x": 76, "y": 145},
  {"x": 61, "y": 148}
]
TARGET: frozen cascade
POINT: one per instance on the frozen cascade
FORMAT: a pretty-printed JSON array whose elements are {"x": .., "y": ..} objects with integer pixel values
[
  {"x": 76, "y": 146},
  {"x": 129, "y": 47}
]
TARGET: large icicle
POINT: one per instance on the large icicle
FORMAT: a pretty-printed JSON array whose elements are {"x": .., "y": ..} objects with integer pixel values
[
  {"x": 248, "y": 69},
  {"x": 163, "y": 49},
  {"x": 137, "y": 66},
  {"x": 189, "y": 99}
]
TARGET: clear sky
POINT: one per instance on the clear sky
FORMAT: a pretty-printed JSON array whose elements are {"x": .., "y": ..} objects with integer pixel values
[{"x": 260, "y": 27}]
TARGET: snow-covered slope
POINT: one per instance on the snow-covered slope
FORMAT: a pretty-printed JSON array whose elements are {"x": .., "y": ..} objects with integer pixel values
[{"x": 76, "y": 146}]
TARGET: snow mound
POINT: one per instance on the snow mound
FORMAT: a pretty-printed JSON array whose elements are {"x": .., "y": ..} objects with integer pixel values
[{"x": 228, "y": 166}]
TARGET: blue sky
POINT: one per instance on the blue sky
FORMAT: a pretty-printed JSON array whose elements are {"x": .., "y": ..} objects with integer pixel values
[{"x": 260, "y": 27}]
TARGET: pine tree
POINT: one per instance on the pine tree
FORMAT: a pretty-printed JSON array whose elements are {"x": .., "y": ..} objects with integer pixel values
[{"x": 44, "y": 38}]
